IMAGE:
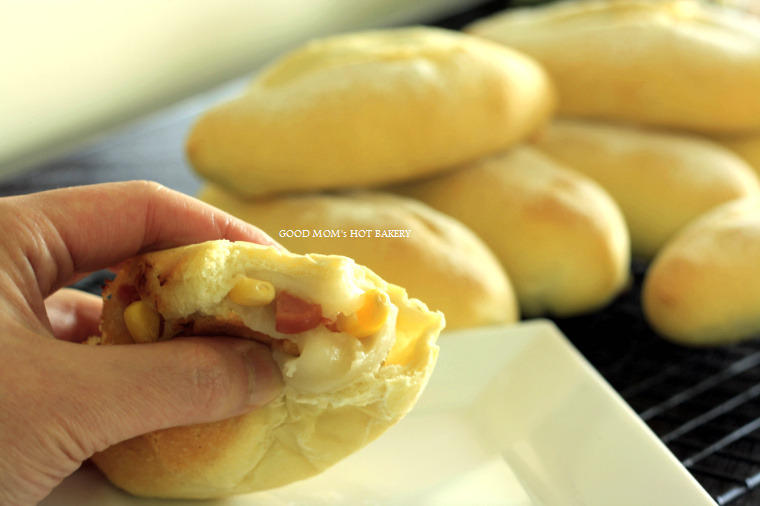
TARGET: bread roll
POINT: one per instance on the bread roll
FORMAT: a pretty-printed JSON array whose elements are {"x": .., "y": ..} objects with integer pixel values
[
  {"x": 371, "y": 108},
  {"x": 746, "y": 146},
  {"x": 355, "y": 353},
  {"x": 437, "y": 260},
  {"x": 660, "y": 180},
  {"x": 688, "y": 64},
  {"x": 559, "y": 235},
  {"x": 703, "y": 288}
]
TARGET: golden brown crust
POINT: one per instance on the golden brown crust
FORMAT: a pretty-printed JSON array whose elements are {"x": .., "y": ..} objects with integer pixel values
[
  {"x": 300, "y": 433},
  {"x": 371, "y": 108},
  {"x": 685, "y": 64},
  {"x": 703, "y": 288},
  {"x": 559, "y": 235},
  {"x": 661, "y": 180}
]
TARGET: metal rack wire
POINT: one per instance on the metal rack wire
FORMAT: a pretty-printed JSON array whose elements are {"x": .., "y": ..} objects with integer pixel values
[{"x": 703, "y": 403}]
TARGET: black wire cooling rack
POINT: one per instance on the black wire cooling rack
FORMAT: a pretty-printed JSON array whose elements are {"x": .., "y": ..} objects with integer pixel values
[{"x": 703, "y": 403}]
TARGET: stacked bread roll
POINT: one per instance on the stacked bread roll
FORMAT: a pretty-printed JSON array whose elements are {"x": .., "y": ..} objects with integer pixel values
[
  {"x": 361, "y": 110},
  {"x": 659, "y": 103},
  {"x": 560, "y": 236},
  {"x": 662, "y": 180},
  {"x": 686, "y": 64},
  {"x": 371, "y": 108},
  {"x": 440, "y": 258},
  {"x": 506, "y": 231},
  {"x": 704, "y": 287}
]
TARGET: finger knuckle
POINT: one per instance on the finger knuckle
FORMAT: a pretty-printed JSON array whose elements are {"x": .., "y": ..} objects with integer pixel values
[
  {"x": 147, "y": 186},
  {"x": 211, "y": 380}
]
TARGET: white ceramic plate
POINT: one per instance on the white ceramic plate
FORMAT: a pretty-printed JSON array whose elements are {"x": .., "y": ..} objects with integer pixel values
[{"x": 512, "y": 415}]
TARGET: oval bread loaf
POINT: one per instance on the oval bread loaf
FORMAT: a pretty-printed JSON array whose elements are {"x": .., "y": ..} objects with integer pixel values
[
  {"x": 561, "y": 238},
  {"x": 434, "y": 257},
  {"x": 660, "y": 180},
  {"x": 703, "y": 288},
  {"x": 687, "y": 64},
  {"x": 371, "y": 108},
  {"x": 355, "y": 353}
]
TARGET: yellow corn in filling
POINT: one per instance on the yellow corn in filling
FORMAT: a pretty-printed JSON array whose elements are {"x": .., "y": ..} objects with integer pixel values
[
  {"x": 370, "y": 317},
  {"x": 252, "y": 292},
  {"x": 142, "y": 321}
]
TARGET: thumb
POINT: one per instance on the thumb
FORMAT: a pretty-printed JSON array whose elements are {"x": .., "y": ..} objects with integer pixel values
[{"x": 140, "y": 388}]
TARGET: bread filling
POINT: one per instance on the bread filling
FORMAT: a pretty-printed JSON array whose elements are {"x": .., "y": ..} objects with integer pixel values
[{"x": 315, "y": 352}]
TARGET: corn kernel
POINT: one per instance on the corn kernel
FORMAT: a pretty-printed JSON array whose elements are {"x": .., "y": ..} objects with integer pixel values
[
  {"x": 143, "y": 322},
  {"x": 369, "y": 318},
  {"x": 252, "y": 292}
]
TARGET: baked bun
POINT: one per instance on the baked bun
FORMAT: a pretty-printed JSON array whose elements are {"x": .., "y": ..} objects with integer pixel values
[
  {"x": 660, "y": 180},
  {"x": 746, "y": 146},
  {"x": 371, "y": 108},
  {"x": 703, "y": 288},
  {"x": 355, "y": 353},
  {"x": 688, "y": 64},
  {"x": 559, "y": 235},
  {"x": 441, "y": 261}
]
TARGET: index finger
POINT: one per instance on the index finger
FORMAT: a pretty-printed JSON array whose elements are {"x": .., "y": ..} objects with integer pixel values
[{"x": 88, "y": 228}]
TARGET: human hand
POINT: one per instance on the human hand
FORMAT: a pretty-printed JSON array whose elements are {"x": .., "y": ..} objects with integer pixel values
[{"x": 60, "y": 402}]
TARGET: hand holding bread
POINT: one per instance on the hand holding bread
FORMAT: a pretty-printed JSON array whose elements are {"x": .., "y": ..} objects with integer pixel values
[
  {"x": 60, "y": 400},
  {"x": 354, "y": 351}
]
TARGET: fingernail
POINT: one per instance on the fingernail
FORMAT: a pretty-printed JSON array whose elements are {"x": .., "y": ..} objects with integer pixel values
[{"x": 265, "y": 378}]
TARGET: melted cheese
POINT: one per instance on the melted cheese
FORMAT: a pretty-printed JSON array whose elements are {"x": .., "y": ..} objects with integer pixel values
[
  {"x": 328, "y": 360},
  {"x": 331, "y": 360}
]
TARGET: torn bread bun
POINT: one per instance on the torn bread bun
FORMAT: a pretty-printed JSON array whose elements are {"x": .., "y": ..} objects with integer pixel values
[
  {"x": 560, "y": 237},
  {"x": 686, "y": 64},
  {"x": 703, "y": 288},
  {"x": 436, "y": 258},
  {"x": 355, "y": 353},
  {"x": 371, "y": 108},
  {"x": 661, "y": 180}
]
